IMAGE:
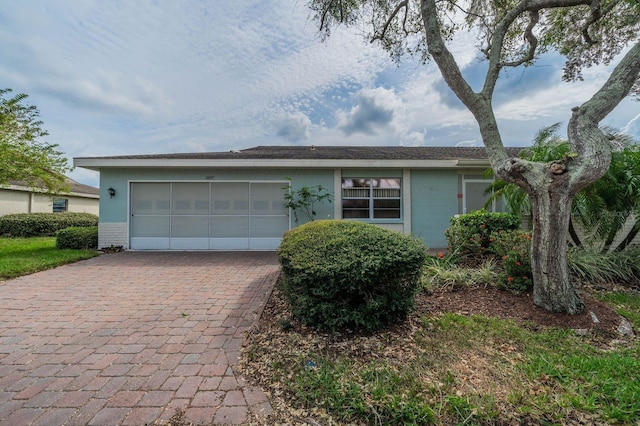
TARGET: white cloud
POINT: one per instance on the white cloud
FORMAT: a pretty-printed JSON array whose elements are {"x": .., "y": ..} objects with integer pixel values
[
  {"x": 149, "y": 77},
  {"x": 471, "y": 143},
  {"x": 375, "y": 109},
  {"x": 294, "y": 127},
  {"x": 632, "y": 127}
]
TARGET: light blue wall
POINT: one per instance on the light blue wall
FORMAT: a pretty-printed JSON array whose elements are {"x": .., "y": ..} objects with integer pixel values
[
  {"x": 434, "y": 200},
  {"x": 311, "y": 179},
  {"x": 115, "y": 209},
  {"x": 434, "y": 193}
]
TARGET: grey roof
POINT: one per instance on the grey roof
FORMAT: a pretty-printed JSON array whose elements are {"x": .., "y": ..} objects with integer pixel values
[
  {"x": 74, "y": 187},
  {"x": 81, "y": 188},
  {"x": 329, "y": 153}
]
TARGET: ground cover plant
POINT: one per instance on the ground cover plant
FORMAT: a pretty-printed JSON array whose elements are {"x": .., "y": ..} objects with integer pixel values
[
  {"x": 23, "y": 256},
  {"x": 475, "y": 350},
  {"x": 467, "y": 355}
]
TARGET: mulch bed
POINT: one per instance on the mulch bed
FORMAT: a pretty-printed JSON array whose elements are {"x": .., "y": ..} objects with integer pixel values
[
  {"x": 492, "y": 302},
  {"x": 277, "y": 333}
]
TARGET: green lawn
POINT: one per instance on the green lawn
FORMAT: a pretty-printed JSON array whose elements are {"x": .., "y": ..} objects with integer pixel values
[
  {"x": 452, "y": 369},
  {"x": 23, "y": 256}
]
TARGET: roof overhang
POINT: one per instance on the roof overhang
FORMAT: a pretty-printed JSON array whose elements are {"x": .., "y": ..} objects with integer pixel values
[
  {"x": 478, "y": 164},
  {"x": 21, "y": 188},
  {"x": 111, "y": 163}
]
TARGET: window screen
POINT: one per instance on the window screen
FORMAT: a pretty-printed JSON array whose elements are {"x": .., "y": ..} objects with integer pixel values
[
  {"x": 371, "y": 198},
  {"x": 60, "y": 205}
]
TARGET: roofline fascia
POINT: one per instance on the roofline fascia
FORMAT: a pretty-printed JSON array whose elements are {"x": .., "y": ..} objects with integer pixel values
[
  {"x": 21, "y": 188},
  {"x": 474, "y": 163},
  {"x": 104, "y": 163}
]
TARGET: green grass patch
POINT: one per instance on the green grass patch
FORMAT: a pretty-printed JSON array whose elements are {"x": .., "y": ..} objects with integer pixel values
[
  {"x": 603, "y": 383},
  {"x": 376, "y": 394},
  {"x": 626, "y": 304},
  {"x": 453, "y": 369},
  {"x": 23, "y": 256}
]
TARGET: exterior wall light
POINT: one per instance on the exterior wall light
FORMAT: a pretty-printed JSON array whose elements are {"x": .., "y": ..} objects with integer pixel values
[{"x": 111, "y": 192}]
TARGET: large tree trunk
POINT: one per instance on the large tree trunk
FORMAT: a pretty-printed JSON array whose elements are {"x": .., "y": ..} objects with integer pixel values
[
  {"x": 553, "y": 289},
  {"x": 550, "y": 186}
]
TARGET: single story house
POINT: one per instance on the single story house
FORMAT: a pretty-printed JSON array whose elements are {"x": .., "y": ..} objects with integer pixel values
[
  {"x": 234, "y": 200},
  {"x": 18, "y": 197}
]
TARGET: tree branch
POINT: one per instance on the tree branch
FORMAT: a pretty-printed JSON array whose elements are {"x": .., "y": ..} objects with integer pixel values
[
  {"x": 443, "y": 57},
  {"x": 596, "y": 14},
  {"x": 494, "y": 53},
  {"x": 616, "y": 88},
  {"x": 325, "y": 12},
  {"x": 584, "y": 135},
  {"x": 391, "y": 18},
  {"x": 531, "y": 39},
  {"x": 478, "y": 104}
]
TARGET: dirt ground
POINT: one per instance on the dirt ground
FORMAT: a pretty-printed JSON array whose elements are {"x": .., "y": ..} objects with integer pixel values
[
  {"x": 496, "y": 303},
  {"x": 276, "y": 327}
]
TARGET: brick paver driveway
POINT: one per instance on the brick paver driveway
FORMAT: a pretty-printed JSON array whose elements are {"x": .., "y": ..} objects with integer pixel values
[{"x": 127, "y": 338}]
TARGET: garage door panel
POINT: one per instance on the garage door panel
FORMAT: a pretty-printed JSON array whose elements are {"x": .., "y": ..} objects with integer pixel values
[
  {"x": 190, "y": 226},
  {"x": 267, "y": 199},
  {"x": 189, "y": 244},
  {"x": 229, "y": 244},
  {"x": 150, "y": 243},
  {"x": 150, "y": 226},
  {"x": 230, "y": 198},
  {"x": 268, "y": 227},
  {"x": 264, "y": 243},
  {"x": 230, "y": 227},
  {"x": 207, "y": 215},
  {"x": 150, "y": 198},
  {"x": 190, "y": 198}
]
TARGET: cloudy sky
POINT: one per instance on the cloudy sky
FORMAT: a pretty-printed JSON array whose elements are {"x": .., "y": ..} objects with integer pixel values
[{"x": 151, "y": 76}]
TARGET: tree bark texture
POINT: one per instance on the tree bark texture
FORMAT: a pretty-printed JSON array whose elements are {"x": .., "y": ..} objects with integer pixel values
[
  {"x": 553, "y": 289},
  {"x": 552, "y": 186}
]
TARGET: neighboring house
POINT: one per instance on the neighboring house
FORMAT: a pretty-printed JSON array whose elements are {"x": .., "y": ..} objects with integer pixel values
[
  {"x": 17, "y": 197},
  {"x": 234, "y": 200}
]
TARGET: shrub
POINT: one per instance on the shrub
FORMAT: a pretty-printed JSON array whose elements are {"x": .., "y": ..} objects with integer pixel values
[
  {"x": 448, "y": 275},
  {"x": 513, "y": 249},
  {"x": 25, "y": 225},
  {"x": 346, "y": 274},
  {"x": 470, "y": 234},
  {"x": 82, "y": 238},
  {"x": 595, "y": 266}
]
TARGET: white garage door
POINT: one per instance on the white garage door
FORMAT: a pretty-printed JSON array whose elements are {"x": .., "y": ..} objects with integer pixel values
[{"x": 207, "y": 215}]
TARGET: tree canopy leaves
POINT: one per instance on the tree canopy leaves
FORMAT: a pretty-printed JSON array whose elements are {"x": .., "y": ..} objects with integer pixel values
[
  {"x": 24, "y": 157},
  {"x": 512, "y": 33},
  {"x": 509, "y": 32}
]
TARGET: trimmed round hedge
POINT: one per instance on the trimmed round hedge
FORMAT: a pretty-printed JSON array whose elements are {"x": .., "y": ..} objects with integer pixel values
[
  {"x": 26, "y": 225},
  {"x": 76, "y": 237},
  {"x": 340, "y": 274}
]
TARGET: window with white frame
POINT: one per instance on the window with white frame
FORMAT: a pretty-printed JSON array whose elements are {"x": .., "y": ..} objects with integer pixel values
[
  {"x": 60, "y": 205},
  {"x": 371, "y": 198}
]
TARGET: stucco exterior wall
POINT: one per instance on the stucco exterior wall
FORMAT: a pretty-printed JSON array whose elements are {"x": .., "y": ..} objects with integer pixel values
[
  {"x": 17, "y": 201},
  {"x": 14, "y": 202},
  {"x": 430, "y": 197},
  {"x": 114, "y": 210},
  {"x": 82, "y": 205}
]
